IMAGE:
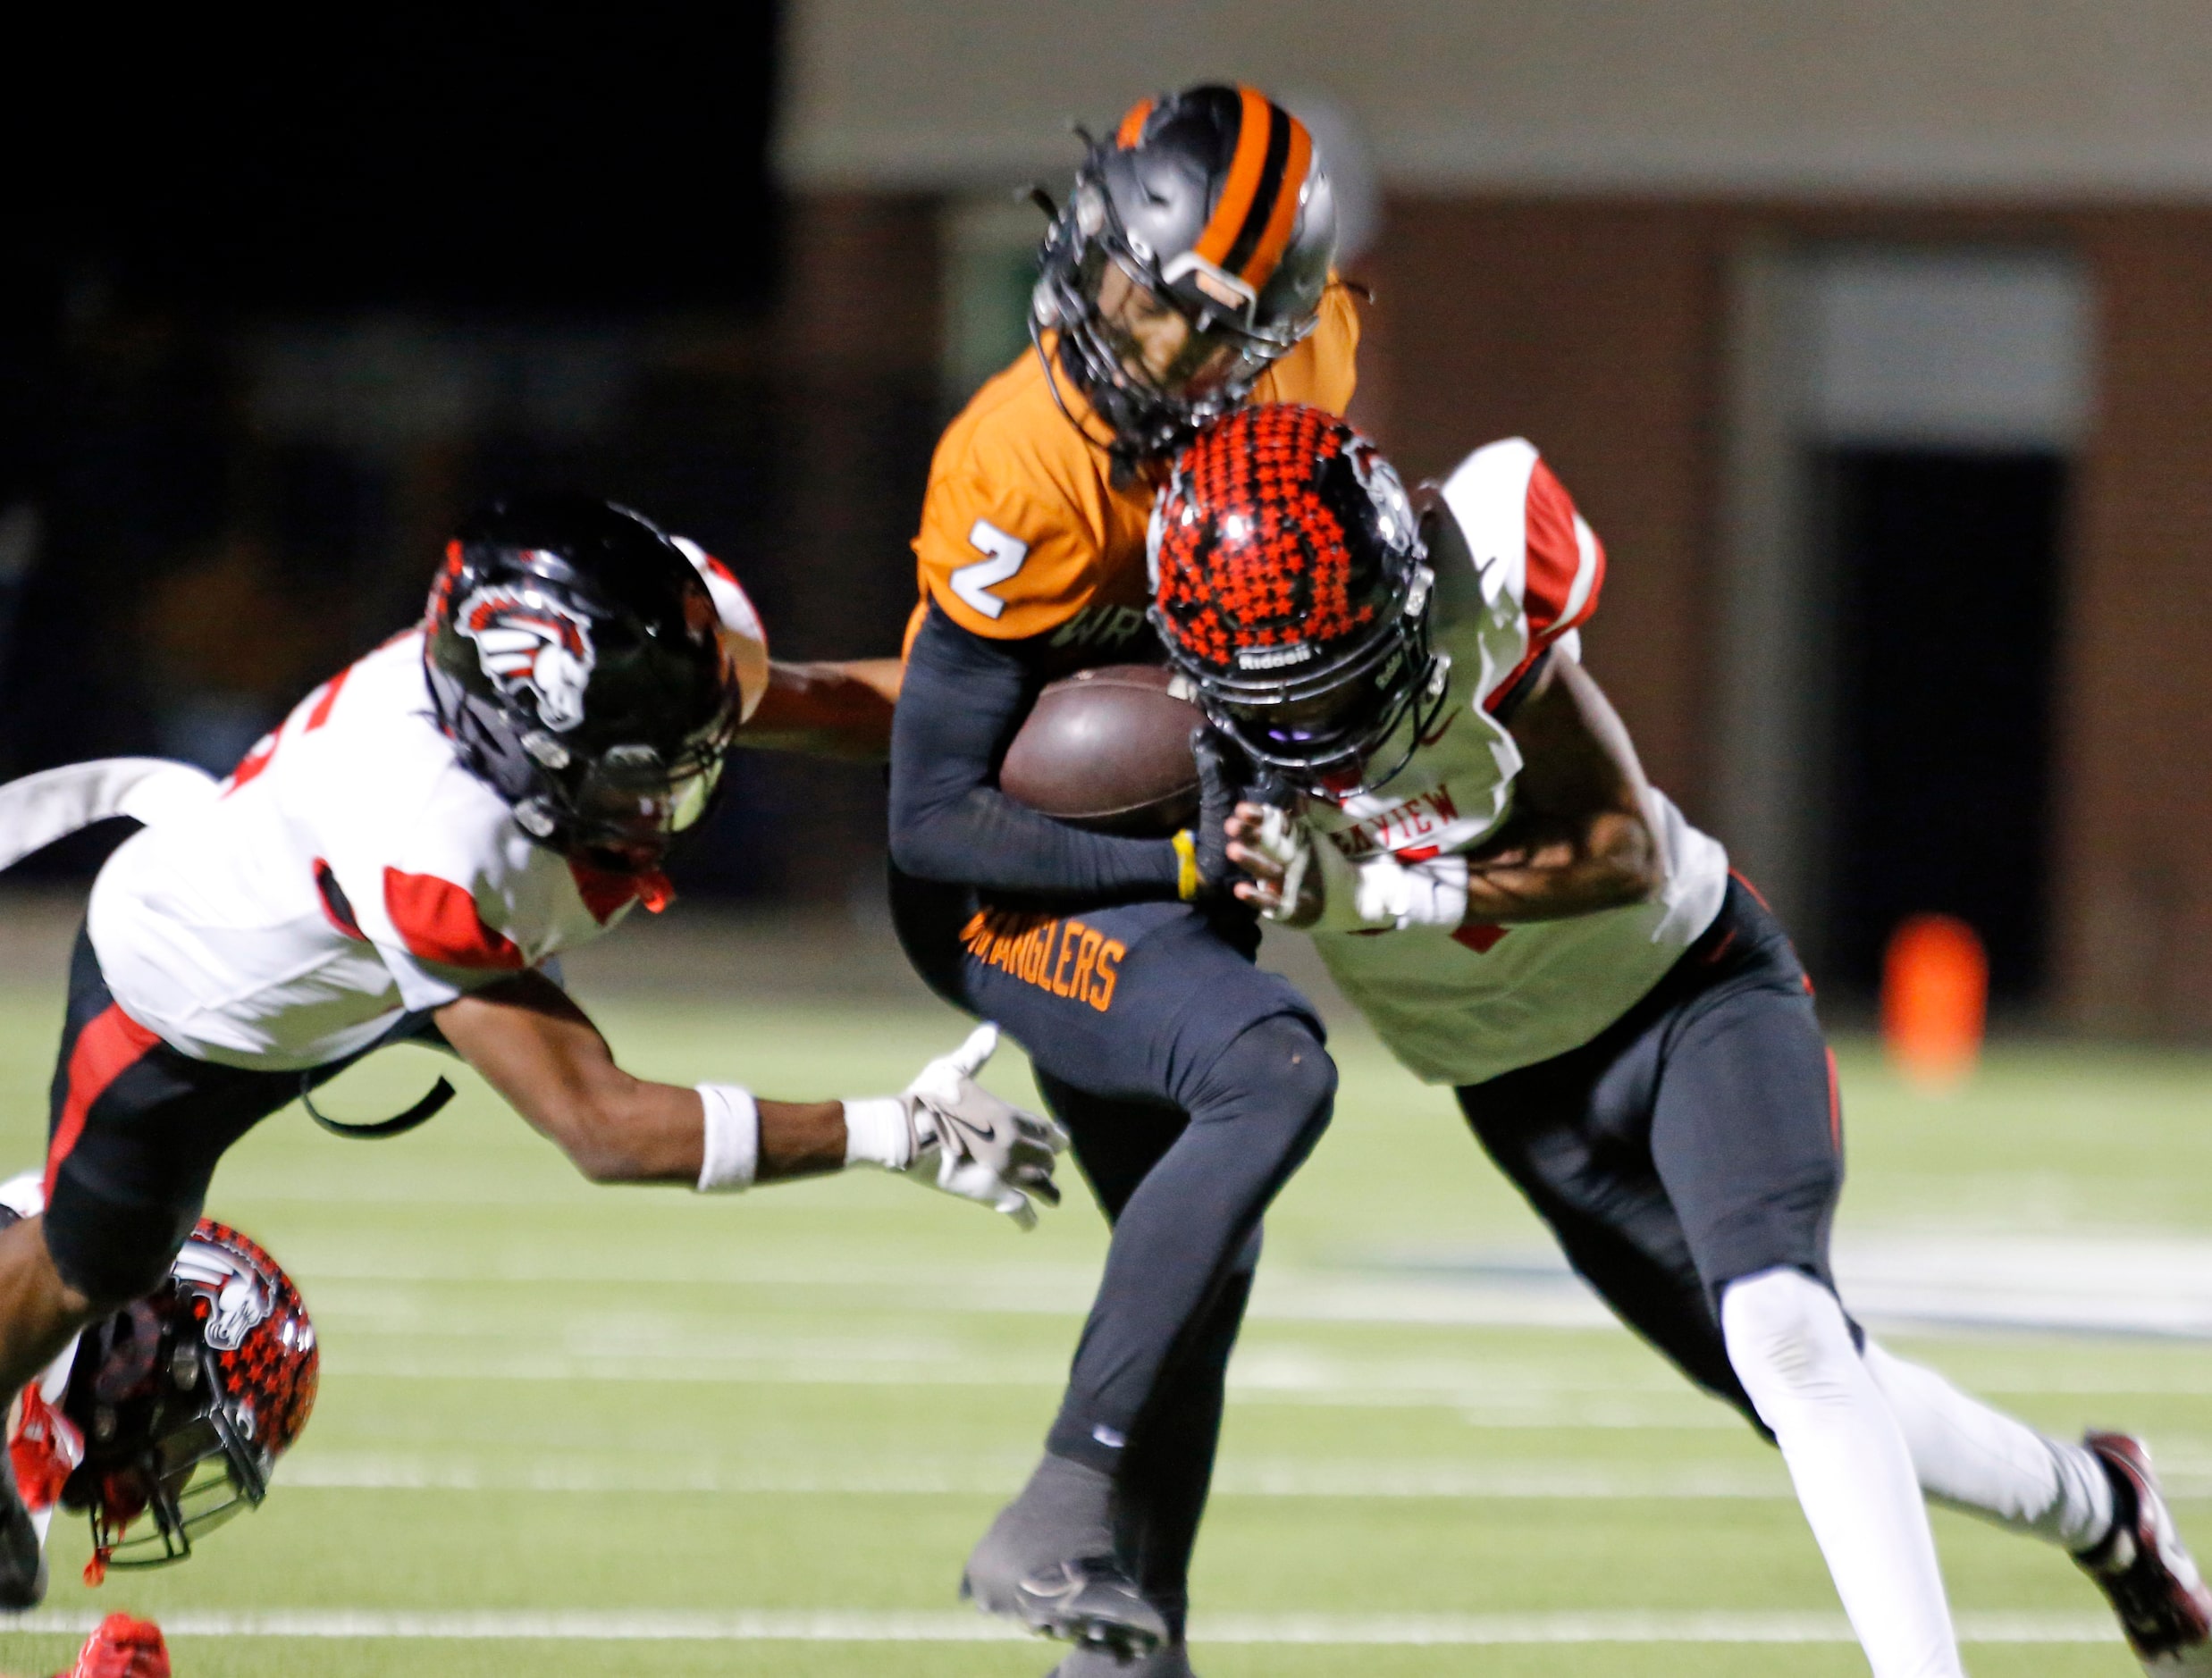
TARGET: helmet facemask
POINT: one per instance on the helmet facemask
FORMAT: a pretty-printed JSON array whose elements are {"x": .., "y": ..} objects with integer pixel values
[
  {"x": 575, "y": 660},
  {"x": 1291, "y": 588},
  {"x": 185, "y": 1400},
  {"x": 1158, "y": 337},
  {"x": 1342, "y": 729},
  {"x": 196, "y": 1472},
  {"x": 1155, "y": 362}
]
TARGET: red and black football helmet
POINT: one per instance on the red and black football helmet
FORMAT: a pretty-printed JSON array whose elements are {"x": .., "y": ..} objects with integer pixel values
[
  {"x": 1290, "y": 586},
  {"x": 575, "y": 657},
  {"x": 177, "y": 1406},
  {"x": 1212, "y": 203}
]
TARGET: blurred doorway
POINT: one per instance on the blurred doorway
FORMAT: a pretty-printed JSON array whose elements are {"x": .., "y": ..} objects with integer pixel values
[{"x": 1905, "y": 421}]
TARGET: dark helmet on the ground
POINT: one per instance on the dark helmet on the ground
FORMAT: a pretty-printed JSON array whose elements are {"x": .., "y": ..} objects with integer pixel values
[
  {"x": 177, "y": 1406},
  {"x": 574, "y": 657},
  {"x": 1290, "y": 586},
  {"x": 1211, "y": 204}
]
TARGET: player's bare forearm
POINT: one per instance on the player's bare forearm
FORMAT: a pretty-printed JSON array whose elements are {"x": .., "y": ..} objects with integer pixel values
[
  {"x": 1580, "y": 838},
  {"x": 829, "y": 710},
  {"x": 1601, "y": 861},
  {"x": 544, "y": 1055}
]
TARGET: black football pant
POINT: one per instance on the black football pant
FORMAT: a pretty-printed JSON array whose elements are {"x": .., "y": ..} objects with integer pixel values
[
  {"x": 1194, "y": 1085},
  {"x": 1697, "y": 1140},
  {"x": 135, "y": 1128},
  {"x": 1168, "y": 1467}
]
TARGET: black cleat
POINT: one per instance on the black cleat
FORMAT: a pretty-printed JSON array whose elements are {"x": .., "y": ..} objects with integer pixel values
[
  {"x": 1089, "y": 1602},
  {"x": 2144, "y": 1570},
  {"x": 1170, "y": 1660},
  {"x": 1048, "y": 1562},
  {"x": 22, "y": 1558}
]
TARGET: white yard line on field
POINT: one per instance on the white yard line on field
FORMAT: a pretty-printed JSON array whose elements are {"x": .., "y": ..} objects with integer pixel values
[
  {"x": 1324, "y": 1479},
  {"x": 863, "y": 1626},
  {"x": 2160, "y": 1287}
]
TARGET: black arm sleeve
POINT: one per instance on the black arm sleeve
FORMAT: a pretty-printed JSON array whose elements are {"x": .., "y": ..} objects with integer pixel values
[{"x": 963, "y": 699}]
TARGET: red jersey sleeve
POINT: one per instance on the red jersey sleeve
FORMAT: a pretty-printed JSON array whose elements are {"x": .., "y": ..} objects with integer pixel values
[{"x": 1565, "y": 565}]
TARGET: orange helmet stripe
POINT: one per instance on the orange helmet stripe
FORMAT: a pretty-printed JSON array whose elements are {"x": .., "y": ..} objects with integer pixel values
[
  {"x": 1275, "y": 237},
  {"x": 1132, "y": 125},
  {"x": 1246, "y": 166}
]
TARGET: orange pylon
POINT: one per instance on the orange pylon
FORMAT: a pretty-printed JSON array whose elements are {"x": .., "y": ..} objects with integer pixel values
[{"x": 1935, "y": 998}]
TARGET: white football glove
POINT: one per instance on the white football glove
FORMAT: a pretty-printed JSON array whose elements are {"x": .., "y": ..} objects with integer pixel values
[
  {"x": 1383, "y": 893},
  {"x": 1320, "y": 889},
  {"x": 968, "y": 1142}
]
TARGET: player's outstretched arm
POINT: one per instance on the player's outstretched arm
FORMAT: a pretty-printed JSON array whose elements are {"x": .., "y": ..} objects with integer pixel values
[
  {"x": 840, "y": 709},
  {"x": 544, "y": 1055}
]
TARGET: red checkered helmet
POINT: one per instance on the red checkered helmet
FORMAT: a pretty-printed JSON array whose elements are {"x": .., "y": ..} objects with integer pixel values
[
  {"x": 185, "y": 1400},
  {"x": 1290, "y": 586}
]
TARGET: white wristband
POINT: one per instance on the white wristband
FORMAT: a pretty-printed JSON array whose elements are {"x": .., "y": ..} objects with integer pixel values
[
  {"x": 732, "y": 1152},
  {"x": 878, "y": 1132}
]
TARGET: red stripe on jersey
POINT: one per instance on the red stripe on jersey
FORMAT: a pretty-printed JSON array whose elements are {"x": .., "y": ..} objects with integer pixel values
[
  {"x": 256, "y": 759},
  {"x": 321, "y": 714},
  {"x": 1554, "y": 552},
  {"x": 1835, "y": 1104},
  {"x": 438, "y": 921},
  {"x": 105, "y": 1050}
]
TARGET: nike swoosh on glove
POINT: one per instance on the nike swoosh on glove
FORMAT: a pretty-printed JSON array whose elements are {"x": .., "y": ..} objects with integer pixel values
[{"x": 970, "y": 1143}]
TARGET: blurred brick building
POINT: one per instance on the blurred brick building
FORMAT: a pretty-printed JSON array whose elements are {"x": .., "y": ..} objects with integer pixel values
[{"x": 1876, "y": 340}]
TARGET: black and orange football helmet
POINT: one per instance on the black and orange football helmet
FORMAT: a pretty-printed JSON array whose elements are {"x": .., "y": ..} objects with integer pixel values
[
  {"x": 1290, "y": 586},
  {"x": 1212, "y": 202}
]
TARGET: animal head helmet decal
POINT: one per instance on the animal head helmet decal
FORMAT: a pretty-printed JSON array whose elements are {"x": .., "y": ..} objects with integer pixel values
[{"x": 529, "y": 643}]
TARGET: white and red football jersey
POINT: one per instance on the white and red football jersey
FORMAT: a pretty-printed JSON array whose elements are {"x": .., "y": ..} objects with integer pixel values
[
  {"x": 350, "y": 869},
  {"x": 1517, "y": 570}
]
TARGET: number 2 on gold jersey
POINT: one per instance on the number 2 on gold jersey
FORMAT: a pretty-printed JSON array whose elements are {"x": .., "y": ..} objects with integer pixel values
[{"x": 1005, "y": 556}]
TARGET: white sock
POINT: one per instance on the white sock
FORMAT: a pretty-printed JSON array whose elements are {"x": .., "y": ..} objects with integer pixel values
[
  {"x": 1981, "y": 1460},
  {"x": 1792, "y": 1349}
]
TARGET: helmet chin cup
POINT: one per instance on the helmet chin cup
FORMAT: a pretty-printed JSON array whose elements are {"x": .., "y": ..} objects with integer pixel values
[{"x": 537, "y": 818}]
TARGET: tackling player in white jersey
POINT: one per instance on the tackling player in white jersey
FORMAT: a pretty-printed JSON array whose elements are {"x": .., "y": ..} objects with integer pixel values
[
  {"x": 1459, "y": 817},
  {"x": 400, "y": 860}
]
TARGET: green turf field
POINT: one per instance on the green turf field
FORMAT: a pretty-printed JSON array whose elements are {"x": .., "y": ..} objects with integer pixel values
[{"x": 757, "y": 1435}]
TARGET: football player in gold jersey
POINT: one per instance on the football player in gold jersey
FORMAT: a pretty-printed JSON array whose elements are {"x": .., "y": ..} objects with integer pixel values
[{"x": 1191, "y": 271}]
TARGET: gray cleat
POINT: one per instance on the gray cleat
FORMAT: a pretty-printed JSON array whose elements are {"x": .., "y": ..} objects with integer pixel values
[{"x": 1048, "y": 1562}]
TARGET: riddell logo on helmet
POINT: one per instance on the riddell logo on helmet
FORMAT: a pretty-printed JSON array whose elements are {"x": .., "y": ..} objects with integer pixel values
[
  {"x": 239, "y": 1297},
  {"x": 1272, "y": 658},
  {"x": 526, "y": 643}
]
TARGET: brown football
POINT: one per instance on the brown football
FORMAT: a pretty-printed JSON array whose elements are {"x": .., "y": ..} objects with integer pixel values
[{"x": 1109, "y": 749}]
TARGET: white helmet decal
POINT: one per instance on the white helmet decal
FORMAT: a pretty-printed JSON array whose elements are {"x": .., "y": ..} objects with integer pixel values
[
  {"x": 525, "y": 640},
  {"x": 239, "y": 1295}
]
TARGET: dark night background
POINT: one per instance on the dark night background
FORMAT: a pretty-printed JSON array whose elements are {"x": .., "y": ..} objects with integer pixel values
[{"x": 280, "y": 311}]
